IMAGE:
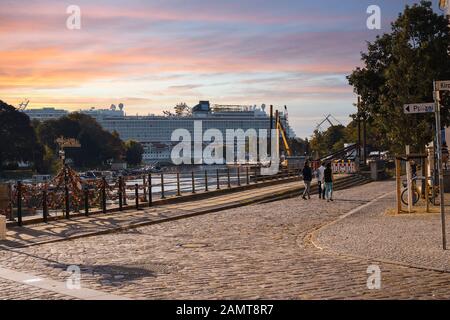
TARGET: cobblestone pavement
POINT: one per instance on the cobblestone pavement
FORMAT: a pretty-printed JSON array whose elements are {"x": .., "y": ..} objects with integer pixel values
[
  {"x": 82, "y": 226},
  {"x": 259, "y": 251},
  {"x": 411, "y": 239}
]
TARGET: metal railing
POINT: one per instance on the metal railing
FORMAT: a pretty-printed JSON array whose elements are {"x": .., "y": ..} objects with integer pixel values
[{"x": 124, "y": 192}]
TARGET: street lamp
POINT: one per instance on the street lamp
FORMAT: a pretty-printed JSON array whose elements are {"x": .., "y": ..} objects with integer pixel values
[{"x": 62, "y": 155}]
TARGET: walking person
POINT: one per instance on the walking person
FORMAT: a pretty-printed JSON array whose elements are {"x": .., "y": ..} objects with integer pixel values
[
  {"x": 307, "y": 178},
  {"x": 321, "y": 180},
  {"x": 328, "y": 178},
  {"x": 445, "y": 154}
]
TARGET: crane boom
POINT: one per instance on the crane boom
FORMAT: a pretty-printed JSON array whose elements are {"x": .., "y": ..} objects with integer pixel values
[
  {"x": 23, "y": 105},
  {"x": 281, "y": 129}
]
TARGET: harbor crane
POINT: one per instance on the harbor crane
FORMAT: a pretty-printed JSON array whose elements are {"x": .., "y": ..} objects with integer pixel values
[
  {"x": 23, "y": 105},
  {"x": 281, "y": 129},
  {"x": 327, "y": 119}
]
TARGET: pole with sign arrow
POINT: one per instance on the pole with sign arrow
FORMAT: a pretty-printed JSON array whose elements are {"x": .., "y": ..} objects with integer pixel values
[
  {"x": 440, "y": 86},
  {"x": 419, "y": 108}
]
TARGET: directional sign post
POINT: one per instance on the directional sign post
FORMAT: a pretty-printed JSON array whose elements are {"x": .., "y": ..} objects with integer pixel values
[
  {"x": 440, "y": 86},
  {"x": 419, "y": 108},
  {"x": 436, "y": 108}
]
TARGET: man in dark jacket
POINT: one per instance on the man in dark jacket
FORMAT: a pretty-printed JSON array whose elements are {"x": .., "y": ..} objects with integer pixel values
[{"x": 307, "y": 178}]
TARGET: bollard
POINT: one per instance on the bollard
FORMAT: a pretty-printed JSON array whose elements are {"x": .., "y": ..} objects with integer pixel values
[
  {"x": 228, "y": 177},
  {"x": 19, "y": 203},
  {"x": 193, "y": 182},
  {"x": 162, "y": 186},
  {"x": 178, "y": 185},
  {"x": 248, "y": 176},
  {"x": 136, "y": 194},
  {"x": 2, "y": 227},
  {"x": 124, "y": 191},
  {"x": 120, "y": 194},
  {"x": 86, "y": 201},
  {"x": 150, "y": 198},
  {"x": 239, "y": 176},
  {"x": 10, "y": 206},
  {"x": 66, "y": 193},
  {"x": 206, "y": 180},
  {"x": 104, "y": 195},
  {"x": 44, "y": 206},
  {"x": 217, "y": 179}
]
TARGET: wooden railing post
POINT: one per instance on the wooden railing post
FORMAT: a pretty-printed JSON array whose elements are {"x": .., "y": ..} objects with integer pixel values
[
  {"x": 206, "y": 180},
  {"x": 193, "y": 181},
  {"x": 44, "y": 206},
  {"x": 162, "y": 186},
  {"x": 150, "y": 194},
  {"x": 19, "y": 203},
  {"x": 178, "y": 185}
]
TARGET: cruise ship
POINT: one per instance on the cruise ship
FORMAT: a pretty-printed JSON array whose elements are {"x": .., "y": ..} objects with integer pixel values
[{"x": 154, "y": 132}]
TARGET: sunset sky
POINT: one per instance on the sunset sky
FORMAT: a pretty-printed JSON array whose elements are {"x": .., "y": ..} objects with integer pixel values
[{"x": 153, "y": 54}]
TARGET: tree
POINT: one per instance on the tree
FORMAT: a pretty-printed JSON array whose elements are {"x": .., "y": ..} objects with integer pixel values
[
  {"x": 299, "y": 146},
  {"x": 329, "y": 141},
  {"x": 399, "y": 68},
  {"x": 18, "y": 140},
  {"x": 182, "y": 109},
  {"x": 134, "y": 152},
  {"x": 97, "y": 145}
]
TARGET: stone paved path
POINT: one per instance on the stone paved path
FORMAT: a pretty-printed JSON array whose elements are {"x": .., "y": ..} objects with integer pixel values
[
  {"x": 411, "y": 239},
  {"x": 81, "y": 226},
  {"x": 258, "y": 251}
]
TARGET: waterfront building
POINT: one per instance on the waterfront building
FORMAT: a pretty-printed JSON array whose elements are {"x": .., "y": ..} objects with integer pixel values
[{"x": 44, "y": 114}]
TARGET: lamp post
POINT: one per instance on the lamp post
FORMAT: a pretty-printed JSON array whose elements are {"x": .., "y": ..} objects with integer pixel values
[
  {"x": 358, "y": 120},
  {"x": 62, "y": 155},
  {"x": 66, "y": 143}
]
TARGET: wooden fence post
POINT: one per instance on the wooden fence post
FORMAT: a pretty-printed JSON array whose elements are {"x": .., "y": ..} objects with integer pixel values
[{"x": 398, "y": 170}]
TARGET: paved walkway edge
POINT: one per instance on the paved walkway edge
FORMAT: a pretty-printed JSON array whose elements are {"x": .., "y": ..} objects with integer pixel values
[
  {"x": 312, "y": 238},
  {"x": 56, "y": 286}
]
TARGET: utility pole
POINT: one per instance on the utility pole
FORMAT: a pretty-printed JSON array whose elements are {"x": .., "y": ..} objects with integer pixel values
[
  {"x": 365, "y": 137},
  {"x": 270, "y": 131},
  {"x": 358, "y": 121},
  {"x": 439, "y": 162}
]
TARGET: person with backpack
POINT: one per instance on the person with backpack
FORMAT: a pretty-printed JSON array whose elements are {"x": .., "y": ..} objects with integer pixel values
[
  {"x": 328, "y": 178},
  {"x": 307, "y": 178}
]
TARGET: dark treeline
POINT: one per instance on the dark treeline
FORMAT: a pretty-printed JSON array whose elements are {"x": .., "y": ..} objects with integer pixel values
[{"x": 22, "y": 140}]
